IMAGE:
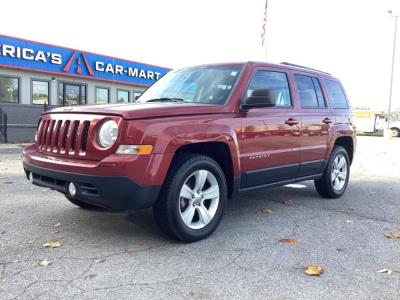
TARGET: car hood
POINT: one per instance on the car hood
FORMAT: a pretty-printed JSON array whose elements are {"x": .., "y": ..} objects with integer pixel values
[{"x": 144, "y": 110}]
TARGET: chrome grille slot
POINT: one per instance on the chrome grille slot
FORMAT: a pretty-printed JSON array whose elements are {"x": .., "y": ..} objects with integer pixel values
[
  {"x": 85, "y": 132},
  {"x": 50, "y": 135},
  {"x": 74, "y": 133},
  {"x": 65, "y": 135}
]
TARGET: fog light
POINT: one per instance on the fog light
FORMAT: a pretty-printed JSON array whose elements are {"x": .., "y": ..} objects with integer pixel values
[{"x": 72, "y": 189}]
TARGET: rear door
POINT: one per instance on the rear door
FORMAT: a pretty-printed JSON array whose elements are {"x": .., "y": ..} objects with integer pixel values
[
  {"x": 271, "y": 137},
  {"x": 316, "y": 123}
]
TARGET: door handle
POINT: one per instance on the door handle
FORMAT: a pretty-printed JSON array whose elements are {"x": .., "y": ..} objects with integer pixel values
[
  {"x": 291, "y": 122},
  {"x": 327, "y": 121}
]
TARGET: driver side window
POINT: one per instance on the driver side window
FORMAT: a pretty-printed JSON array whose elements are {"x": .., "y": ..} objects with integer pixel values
[{"x": 275, "y": 82}]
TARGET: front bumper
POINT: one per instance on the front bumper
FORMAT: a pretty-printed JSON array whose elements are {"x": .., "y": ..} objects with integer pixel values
[{"x": 110, "y": 192}]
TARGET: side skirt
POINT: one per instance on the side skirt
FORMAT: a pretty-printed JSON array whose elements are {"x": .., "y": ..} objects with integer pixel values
[{"x": 273, "y": 184}]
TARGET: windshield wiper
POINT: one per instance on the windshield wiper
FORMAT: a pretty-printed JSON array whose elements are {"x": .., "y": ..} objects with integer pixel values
[{"x": 166, "y": 99}]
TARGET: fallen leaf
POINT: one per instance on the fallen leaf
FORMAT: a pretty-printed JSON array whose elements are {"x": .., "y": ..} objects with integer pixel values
[
  {"x": 314, "y": 270},
  {"x": 291, "y": 242},
  {"x": 52, "y": 244},
  {"x": 392, "y": 235},
  {"x": 99, "y": 260},
  {"x": 55, "y": 231},
  {"x": 288, "y": 202},
  {"x": 8, "y": 182},
  {"x": 57, "y": 225},
  {"x": 267, "y": 211},
  {"x": 44, "y": 263},
  {"x": 386, "y": 271}
]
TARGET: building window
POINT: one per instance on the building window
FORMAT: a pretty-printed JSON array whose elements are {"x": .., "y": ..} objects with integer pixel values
[
  {"x": 102, "y": 95},
  {"x": 40, "y": 92},
  {"x": 71, "y": 94},
  {"x": 122, "y": 96},
  {"x": 9, "y": 89},
  {"x": 136, "y": 95}
]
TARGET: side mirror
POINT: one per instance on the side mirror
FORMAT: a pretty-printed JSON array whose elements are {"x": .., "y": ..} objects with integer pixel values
[{"x": 259, "y": 98}]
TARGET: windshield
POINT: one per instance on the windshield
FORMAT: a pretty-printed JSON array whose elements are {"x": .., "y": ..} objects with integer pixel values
[{"x": 208, "y": 85}]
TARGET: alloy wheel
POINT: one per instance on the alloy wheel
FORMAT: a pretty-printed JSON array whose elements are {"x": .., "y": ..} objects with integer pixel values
[
  {"x": 339, "y": 172},
  {"x": 199, "y": 199}
]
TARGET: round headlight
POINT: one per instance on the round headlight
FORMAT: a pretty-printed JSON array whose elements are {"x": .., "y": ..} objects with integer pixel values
[{"x": 108, "y": 133}]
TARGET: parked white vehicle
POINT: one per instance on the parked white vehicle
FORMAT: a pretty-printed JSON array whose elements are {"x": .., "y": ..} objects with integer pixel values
[{"x": 372, "y": 122}]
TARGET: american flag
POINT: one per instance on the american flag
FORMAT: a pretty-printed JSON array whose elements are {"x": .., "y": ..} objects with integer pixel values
[{"x": 264, "y": 23}]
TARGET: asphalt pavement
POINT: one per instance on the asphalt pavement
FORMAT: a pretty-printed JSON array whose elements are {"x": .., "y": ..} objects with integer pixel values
[{"x": 105, "y": 255}]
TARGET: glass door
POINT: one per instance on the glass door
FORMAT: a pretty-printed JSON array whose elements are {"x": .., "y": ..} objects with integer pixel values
[{"x": 72, "y": 94}]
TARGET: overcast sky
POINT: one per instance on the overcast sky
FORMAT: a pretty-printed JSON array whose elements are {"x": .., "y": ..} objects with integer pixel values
[{"x": 352, "y": 39}]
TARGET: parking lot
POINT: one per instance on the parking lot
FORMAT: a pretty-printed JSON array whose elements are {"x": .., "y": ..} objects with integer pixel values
[{"x": 124, "y": 255}]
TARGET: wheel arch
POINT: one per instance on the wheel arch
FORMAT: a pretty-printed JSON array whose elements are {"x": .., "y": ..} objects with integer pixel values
[
  {"x": 219, "y": 151},
  {"x": 347, "y": 143}
]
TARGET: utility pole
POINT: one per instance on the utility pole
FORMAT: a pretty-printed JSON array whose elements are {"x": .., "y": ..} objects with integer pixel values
[{"x": 393, "y": 64}]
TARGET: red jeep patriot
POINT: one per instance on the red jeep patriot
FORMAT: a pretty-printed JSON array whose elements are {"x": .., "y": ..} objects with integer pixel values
[{"x": 196, "y": 137}]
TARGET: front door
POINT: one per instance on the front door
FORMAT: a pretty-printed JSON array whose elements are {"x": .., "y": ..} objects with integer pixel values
[
  {"x": 72, "y": 94},
  {"x": 270, "y": 138}
]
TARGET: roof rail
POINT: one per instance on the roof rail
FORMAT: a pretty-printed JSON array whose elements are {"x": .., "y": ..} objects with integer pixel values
[{"x": 303, "y": 67}]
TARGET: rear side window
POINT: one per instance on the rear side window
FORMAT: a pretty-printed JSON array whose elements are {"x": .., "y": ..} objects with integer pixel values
[
  {"x": 272, "y": 80},
  {"x": 309, "y": 91},
  {"x": 336, "y": 94}
]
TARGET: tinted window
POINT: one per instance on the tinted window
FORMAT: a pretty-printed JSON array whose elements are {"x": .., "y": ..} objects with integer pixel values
[
  {"x": 309, "y": 91},
  {"x": 336, "y": 94},
  {"x": 9, "y": 89},
  {"x": 318, "y": 90},
  {"x": 275, "y": 81},
  {"x": 40, "y": 92}
]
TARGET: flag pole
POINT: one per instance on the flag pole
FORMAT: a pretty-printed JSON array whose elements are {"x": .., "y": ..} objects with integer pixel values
[
  {"x": 263, "y": 33},
  {"x": 266, "y": 52}
]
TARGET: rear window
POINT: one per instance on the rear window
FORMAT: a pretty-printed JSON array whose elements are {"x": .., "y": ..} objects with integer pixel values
[
  {"x": 336, "y": 94},
  {"x": 309, "y": 91}
]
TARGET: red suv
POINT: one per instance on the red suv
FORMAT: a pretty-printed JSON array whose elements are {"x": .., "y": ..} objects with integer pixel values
[{"x": 197, "y": 137}]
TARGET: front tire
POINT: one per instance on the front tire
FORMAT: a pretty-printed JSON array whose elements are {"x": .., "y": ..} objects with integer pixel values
[
  {"x": 192, "y": 201},
  {"x": 335, "y": 178}
]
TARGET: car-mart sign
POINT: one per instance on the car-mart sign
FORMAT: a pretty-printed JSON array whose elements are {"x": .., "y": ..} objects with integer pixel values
[{"x": 34, "y": 56}]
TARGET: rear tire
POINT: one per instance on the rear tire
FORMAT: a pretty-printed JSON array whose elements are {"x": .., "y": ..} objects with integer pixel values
[
  {"x": 335, "y": 178},
  {"x": 81, "y": 204},
  {"x": 396, "y": 132},
  {"x": 192, "y": 200}
]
